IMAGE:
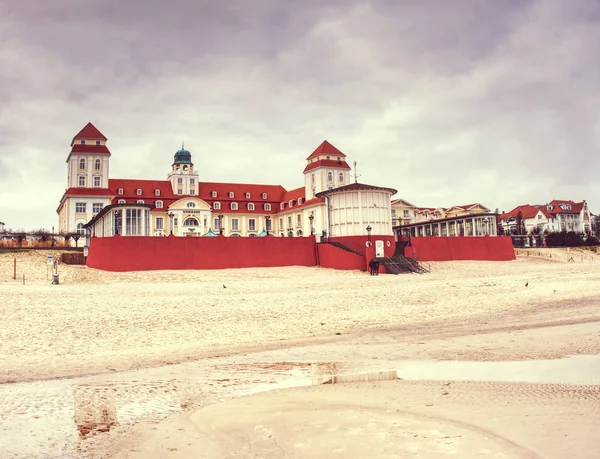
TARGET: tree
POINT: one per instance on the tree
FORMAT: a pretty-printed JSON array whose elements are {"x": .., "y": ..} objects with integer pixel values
[{"x": 520, "y": 226}]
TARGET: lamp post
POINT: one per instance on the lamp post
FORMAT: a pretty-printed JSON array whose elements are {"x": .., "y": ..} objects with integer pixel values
[
  {"x": 220, "y": 223},
  {"x": 311, "y": 218},
  {"x": 171, "y": 215},
  {"x": 267, "y": 220},
  {"x": 369, "y": 232}
]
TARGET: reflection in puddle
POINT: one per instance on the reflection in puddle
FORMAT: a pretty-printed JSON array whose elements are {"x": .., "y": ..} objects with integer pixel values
[{"x": 54, "y": 418}]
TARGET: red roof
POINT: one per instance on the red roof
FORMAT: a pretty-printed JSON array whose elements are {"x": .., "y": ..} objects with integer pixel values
[
  {"x": 94, "y": 149},
  {"x": 575, "y": 207},
  {"x": 274, "y": 192},
  {"x": 147, "y": 187},
  {"x": 527, "y": 211},
  {"x": 327, "y": 163},
  {"x": 89, "y": 132},
  {"x": 326, "y": 149}
]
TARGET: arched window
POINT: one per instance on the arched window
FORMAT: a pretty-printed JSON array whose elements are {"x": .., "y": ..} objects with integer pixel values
[
  {"x": 217, "y": 205},
  {"x": 82, "y": 163},
  {"x": 330, "y": 176},
  {"x": 97, "y": 165},
  {"x": 80, "y": 229},
  {"x": 191, "y": 221},
  {"x": 250, "y": 206},
  {"x": 159, "y": 204},
  {"x": 290, "y": 233},
  {"x": 299, "y": 233},
  {"x": 312, "y": 177},
  {"x": 341, "y": 177}
]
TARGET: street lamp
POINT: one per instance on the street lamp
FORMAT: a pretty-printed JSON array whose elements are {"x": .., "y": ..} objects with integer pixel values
[
  {"x": 311, "y": 218},
  {"x": 171, "y": 215},
  {"x": 220, "y": 223},
  {"x": 369, "y": 232},
  {"x": 267, "y": 219}
]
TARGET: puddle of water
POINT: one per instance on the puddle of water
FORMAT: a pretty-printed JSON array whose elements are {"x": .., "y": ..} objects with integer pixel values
[
  {"x": 581, "y": 369},
  {"x": 54, "y": 418}
]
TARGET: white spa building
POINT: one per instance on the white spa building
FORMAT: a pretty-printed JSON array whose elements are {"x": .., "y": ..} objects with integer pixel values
[{"x": 328, "y": 204}]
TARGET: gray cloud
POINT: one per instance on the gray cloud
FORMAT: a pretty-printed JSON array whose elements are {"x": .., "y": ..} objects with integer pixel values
[{"x": 447, "y": 101}]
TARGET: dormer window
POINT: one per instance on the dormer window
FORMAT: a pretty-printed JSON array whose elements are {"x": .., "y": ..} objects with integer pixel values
[
  {"x": 140, "y": 201},
  {"x": 299, "y": 201},
  {"x": 250, "y": 206},
  {"x": 138, "y": 191},
  {"x": 159, "y": 204},
  {"x": 121, "y": 201},
  {"x": 157, "y": 192},
  {"x": 267, "y": 206},
  {"x": 282, "y": 206},
  {"x": 217, "y": 206},
  {"x": 120, "y": 191},
  {"x": 213, "y": 194},
  {"x": 549, "y": 207},
  {"x": 291, "y": 203},
  {"x": 247, "y": 195},
  {"x": 568, "y": 206},
  {"x": 264, "y": 195},
  {"x": 231, "y": 194},
  {"x": 234, "y": 206}
]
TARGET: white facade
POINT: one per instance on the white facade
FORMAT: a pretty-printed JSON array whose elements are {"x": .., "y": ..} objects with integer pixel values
[
  {"x": 353, "y": 208},
  {"x": 555, "y": 216}
]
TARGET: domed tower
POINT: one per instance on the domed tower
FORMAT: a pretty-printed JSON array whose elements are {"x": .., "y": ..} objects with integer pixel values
[{"x": 184, "y": 180}]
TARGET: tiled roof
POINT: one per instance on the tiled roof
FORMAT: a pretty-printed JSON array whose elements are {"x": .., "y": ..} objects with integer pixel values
[
  {"x": 93, "y": 149},
  {"x": 89, "y": 132},
  {"x": 575, "y": 207},
  {"x": 327, "y": 163},
  {"x": 274, "y": 192},
  {"x": 527, "y": 211},
  {"x": 326, "y": 149}
]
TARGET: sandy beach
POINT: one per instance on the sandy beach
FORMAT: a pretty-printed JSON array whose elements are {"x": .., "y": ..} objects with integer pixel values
[{"x": 96, "y": 322}]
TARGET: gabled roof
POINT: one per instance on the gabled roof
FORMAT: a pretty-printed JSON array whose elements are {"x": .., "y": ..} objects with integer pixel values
[
  {"x": 527, "y": 211},
  {"x": 326, "y": 149},
  {"x": 92, "y": 149},
  {"x": 327, "y": 163},
  {"x": 88, "y": 132},
  {"x": 402, "y": 201},
  {"x": 575, "y": 207}
]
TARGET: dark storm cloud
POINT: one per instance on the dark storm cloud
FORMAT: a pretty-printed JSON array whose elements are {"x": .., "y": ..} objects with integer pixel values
[{"x": 448, "y": 101}]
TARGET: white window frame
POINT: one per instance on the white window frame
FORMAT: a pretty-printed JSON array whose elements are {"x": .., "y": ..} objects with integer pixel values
[
  {"x": 138, "y": 191},
  {"x": 300, "y": 200},
  {"x": 179, "y": 192},
  {"x": 157, "y": 192},
  {"x": 235, "y": 224},
  {"x": 231, "y": 195},
  {"x": 329, "y": 176},
  {"x": 192, "y": 192},
  {"x": 264, "y": 195},
  {"x": 281, "y": 205},
  {"x": 97, "y": 207},
  {"x": 81, "y": 180},
  {"x": 247, "y": 195},
  {"x": 250, "y": 206},
  {"x": 97, "y": 165},
  {"x": 299, "y": 221},
  {"x": 80, "y": 207},
  {"x": 179, "y": 181},
  {"x": 120, "y": 191},
  {"x": 217, "y": 205},
  {"x": 162, "y": 224},
  {"x": 159, "y": 204},
  {"x": 213, "y": 194},
  {"x": 291, "y": 203},
  {"x": 192, "y": 181},
  {"x": 234, "y": 206},
  {"x": 140, "y": 201},
  {"x": 121, "y": 201},
  {"x": 82, "y": 164},
  {"x": 341, "y": 177},
  {"x": 191, "y": 204},
  {"x": 267, "y": 206},
  {"x": 251, "y": 224},
  {"x": 97, "y": 179}
]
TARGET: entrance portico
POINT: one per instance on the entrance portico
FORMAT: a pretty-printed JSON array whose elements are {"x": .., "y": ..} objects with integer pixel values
[{"x": 189, "y": 217}]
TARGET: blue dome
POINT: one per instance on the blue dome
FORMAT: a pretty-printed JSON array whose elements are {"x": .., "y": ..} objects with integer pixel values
[{"x": 182, "y": 156}]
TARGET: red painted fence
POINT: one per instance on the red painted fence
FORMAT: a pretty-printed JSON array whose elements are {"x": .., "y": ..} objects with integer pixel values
[
  {"x": 460, "y": 248},
  {"x": 132, "y": 253}
]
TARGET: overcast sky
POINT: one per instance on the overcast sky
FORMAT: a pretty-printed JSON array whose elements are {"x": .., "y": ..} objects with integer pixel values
[{"x": 449, "y": 102}]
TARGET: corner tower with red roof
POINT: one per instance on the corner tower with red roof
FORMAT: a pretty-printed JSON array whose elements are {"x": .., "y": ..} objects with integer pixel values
[{"x": 326, "y": 169}]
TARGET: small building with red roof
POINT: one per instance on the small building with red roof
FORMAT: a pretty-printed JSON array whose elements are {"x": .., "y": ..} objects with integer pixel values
[
  {"x": 184, "y": 205},
  {"x": 554, "y": 216}
]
